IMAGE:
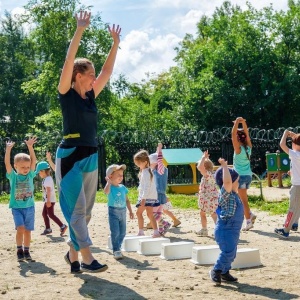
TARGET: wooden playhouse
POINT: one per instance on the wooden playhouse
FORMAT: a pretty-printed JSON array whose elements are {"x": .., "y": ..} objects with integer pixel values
[{"x": 182, "y": 165}]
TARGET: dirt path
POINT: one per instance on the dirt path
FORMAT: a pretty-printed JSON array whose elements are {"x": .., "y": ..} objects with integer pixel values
[{"x": 146, "y": 277}]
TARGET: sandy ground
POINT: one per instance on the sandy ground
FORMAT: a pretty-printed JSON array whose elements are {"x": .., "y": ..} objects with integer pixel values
[
  {"x": 147, "y": 277},
  {"x": 271, "y": 193}
]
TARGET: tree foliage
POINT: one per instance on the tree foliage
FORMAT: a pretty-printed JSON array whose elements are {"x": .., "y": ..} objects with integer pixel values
[{"x": 240, "y": 63}]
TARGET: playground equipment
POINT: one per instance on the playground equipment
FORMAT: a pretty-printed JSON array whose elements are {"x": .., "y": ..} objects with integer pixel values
[
  {"x": 187, "y": 156},
  {"x": 277, "y": 164}
]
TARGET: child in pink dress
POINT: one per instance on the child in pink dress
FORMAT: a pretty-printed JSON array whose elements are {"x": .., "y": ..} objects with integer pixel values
[{"x": 208, "y": 193}]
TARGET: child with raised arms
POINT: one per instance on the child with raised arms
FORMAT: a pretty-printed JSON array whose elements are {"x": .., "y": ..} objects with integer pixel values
[
  {"x": 21, "y": 199},
  {"x": 208, "y": 193},
  {"x": 229, "y": 223},
  {"x": 294, "y": 205}
]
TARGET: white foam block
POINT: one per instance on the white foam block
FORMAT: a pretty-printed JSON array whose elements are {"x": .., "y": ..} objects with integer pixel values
[
  {"x": 246, "y": 258},
  {"x": 205, "y": 255},
  {"x": 131, "y": 243},
  {"x": 177, "y": 250},
  {"x": 151, "y": 246},
  {"x": 109, "y": 244}
]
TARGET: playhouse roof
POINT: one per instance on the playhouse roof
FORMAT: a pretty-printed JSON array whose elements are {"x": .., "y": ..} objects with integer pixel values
[{"x": 182, "y": 156}]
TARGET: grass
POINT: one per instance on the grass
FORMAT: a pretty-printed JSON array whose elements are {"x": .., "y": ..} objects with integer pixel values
[{"x": 181, "y": 201}]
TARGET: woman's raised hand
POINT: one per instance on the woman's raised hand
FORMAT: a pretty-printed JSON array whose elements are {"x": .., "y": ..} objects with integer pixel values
[
  {"x": 115, "y": 32},
  {"x": 83, "y": 19}
]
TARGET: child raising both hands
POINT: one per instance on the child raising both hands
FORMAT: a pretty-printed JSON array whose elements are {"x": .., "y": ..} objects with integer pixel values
[
  {"x": 21, "y": 199},
  {"x": 208, "y": 193}
]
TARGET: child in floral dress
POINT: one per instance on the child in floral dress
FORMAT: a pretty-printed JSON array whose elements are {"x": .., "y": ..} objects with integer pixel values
[{"x": 208, "y": 193}]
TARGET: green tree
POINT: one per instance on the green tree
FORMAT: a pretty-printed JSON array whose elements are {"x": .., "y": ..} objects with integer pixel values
[{"x": 17, "y": 58}]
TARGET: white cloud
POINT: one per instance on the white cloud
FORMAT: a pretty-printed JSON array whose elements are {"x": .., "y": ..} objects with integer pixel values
[
  {"x": 188, "y": 22},
  {"x": 139, "y": 54},
  {"x": 152, "y": 28}
]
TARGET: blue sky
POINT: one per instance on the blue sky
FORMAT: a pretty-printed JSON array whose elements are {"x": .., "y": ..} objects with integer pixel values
[{"x": 151, "y": 29}]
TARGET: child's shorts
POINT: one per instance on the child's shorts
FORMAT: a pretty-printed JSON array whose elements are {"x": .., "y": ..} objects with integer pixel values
[
  {"x": 148, "y": 202},
  {"x": 24, "y": 217},
  {"x": 245, "y": 181}
]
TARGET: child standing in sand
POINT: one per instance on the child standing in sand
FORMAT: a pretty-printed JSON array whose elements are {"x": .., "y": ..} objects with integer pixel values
[
  {"x": 147, "y": 198},
  {"x": 208, "y": 193},
  {"x": 21, "y": 199},
  {"x": 49, "y": 198},
  {"x": 294, "y": 206},
  {"x": 229, "y": 223},
  {"x": 117, "y": 203}
]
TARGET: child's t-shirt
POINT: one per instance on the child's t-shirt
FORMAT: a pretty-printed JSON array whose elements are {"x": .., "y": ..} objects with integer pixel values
[
  {"x": 147, "y": 186},
  {"x": 241, "y": 162},
  {"x": 21, "y": 189},
  {"x": 227, "y": 204},
  {"x": 295, "y": 166},
  {"x": 117, "y": 196},
  {"x": 49, "y": 183}
]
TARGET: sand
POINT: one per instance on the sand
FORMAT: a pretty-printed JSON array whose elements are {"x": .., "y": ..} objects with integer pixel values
[{"x": 147, "y": 277}]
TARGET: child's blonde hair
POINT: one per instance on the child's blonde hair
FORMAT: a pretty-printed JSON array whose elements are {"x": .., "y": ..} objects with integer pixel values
[
  {"x": 143, "y": 156},
  {"x": 21, "y": 157},
  {"x": 208, "y": 165}
]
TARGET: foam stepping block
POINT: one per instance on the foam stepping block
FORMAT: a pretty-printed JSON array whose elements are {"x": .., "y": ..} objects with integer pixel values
[
  {"x": 246, "y": 258},
  {"x": 177, "y": 250},
  {"x": 130, "y": 244},
  {"x": 151, "y": 246},
  {"x": 205, "y": 255},
  {"x": 109, "y": 244}
]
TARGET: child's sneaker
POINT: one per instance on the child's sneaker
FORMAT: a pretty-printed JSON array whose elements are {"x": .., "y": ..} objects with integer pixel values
[
  {"x": 202, "y": 232},
  {"x": 20, "y": 255},
  {"x": 161, "y": 231},
  {"x": 63, "y": 229},
  {"x": 118, "y": 255},
  {"x": 167, "y": 225},
  {"x": 46, "y": 231},
  {"x": 27, "y": 256},
  {"x": 252, "y": 217},
  {"x": 294, "y": 227},
  {"x": 228, "y": 277},
  {"x": 156, "y": 235},
  {"x": 281, "y": 232},
  {"x": 215, "y": 276},
  {"x": 176, "y": 223},
  {"x": 248, "y": 226}
]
